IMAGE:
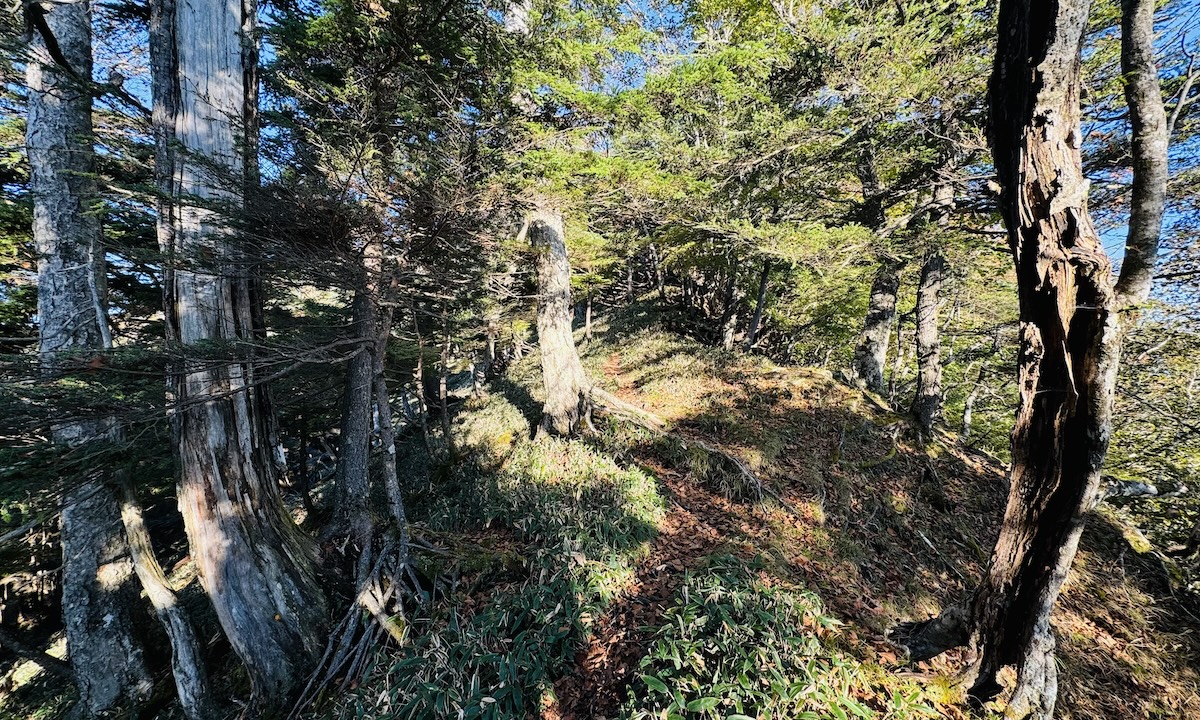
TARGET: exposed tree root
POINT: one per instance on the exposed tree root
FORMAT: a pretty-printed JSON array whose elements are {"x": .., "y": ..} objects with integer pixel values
[
  {"x": 383, "y": 568},
  {"x": 930, "y": 638}
]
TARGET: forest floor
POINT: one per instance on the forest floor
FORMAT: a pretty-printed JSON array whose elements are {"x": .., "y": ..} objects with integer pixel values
[
  {"x": 713, "y": 604},
  {"x": 622, "y": 576}
]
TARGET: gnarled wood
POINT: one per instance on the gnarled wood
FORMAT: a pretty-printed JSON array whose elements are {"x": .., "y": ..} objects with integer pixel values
[
  {"x": 1068, "y": 329},
  {"x": 254, "y": 564},
  {"x": 187, "y": 651}
]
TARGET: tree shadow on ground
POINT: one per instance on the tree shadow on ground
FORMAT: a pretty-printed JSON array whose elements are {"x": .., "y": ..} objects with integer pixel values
[{"x": 889, "y": 527}]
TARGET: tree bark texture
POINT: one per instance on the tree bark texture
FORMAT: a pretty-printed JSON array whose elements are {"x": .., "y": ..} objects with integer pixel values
[
  {"x": 353, "y": 486},
  {"x": 759, "y": 305},
  {"x": 870, "y": 355},
  {"x": 729, "y": 309},
  {"x": 927, "y": 404},
  {"x": 568, "y": 407},
  {"x": 99, "y": 592},
  {"x": 1148, "y": 119},
  {"x": 1067, "y": 333},
  {"x": 252, "y": 561}
]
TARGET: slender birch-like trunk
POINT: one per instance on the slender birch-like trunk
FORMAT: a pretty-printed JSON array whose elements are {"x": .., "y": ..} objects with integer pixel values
[
  {"x": 870, "y": 355},
  {"x": 927, "y": 404}
]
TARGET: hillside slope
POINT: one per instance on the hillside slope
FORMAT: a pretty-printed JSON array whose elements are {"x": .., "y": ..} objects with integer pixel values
[{"x": 619, "y": 577}]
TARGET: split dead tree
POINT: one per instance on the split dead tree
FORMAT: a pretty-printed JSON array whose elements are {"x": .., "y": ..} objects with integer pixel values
[{"x": 257, "y": 568}]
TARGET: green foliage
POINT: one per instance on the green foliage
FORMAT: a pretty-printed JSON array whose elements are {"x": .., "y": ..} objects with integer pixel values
[
  {"x": 739, "y": 643},
  {"x": 583, "y": 523}
]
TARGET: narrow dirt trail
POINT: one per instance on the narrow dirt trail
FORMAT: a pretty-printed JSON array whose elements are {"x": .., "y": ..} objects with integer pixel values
[
  {"x": 608, "y": 663},
  {"x": 698, "y": 524}
]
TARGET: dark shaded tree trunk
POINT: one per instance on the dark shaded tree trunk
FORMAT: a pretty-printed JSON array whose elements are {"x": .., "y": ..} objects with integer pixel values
[
  {"x": 568, "y": 408},
  {"x": 242, "y": 540},
  {"x": 100, "y": 595},
  {"x": 352, "y": 490},
  {"x": 660, "y": 280},
  {"x": 927, "y": 404},
  {"x": 730, "y": 305},
  {"x": 870, "y": 355},
  {"x": 443, "y": 388},
  {"x": 1064, "y": 282},
  {"x": 187, "y": 651},
  {"x": 759, "y": 305},
  {"x": 1066, "y": 353}
]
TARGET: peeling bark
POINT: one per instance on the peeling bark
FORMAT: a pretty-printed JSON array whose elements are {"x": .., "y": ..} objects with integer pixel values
[
  {"x": 99, "y": 592},
  {"x": 568, "y": 408},
  {"x": 1068, "y": 329},
  {"x": 255, "y": 565}
]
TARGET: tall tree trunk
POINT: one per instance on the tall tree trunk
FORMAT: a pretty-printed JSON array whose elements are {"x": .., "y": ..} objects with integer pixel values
[
  {"x": 870, "y": 211},
  {"x": 352, "y": 490},
  {"x": 969, "y": 404},
  {"x": 443, "y": 381},
  {"x": 1148, "y": 119},
  {"x": 568, "y": 408},
  {"x": 1066, "y": 357},
  {"x": 419, "y": 381},
  {"x": 660, "y": 280},
  {"x": 870, "y": 355},
  {"x": 759, "y": 305},
  {"x": 927, "y": 404},
  {"x": 729, "y": 309},
  {"x": 629, "y": 278},
  {"x": 387, "y": 431},
  {"x": 253, "y": 562},
  {"x": 587, "y": 319},
  {"x": 99, "y": 592}
]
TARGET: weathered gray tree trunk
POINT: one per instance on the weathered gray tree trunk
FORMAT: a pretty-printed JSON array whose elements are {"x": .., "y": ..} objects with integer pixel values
[
  {"x": 759, "y": 305},
  {"x": 568, "y": 408},
  {"x": 1067, "y": 354},
  {"x": 870, "y": 355},
  {"x": 100, "y": 595},
  {"x": 927, "y": 404},
  {"x": 255, "y": 565},
  {"x": 1148, "y": 119}
]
